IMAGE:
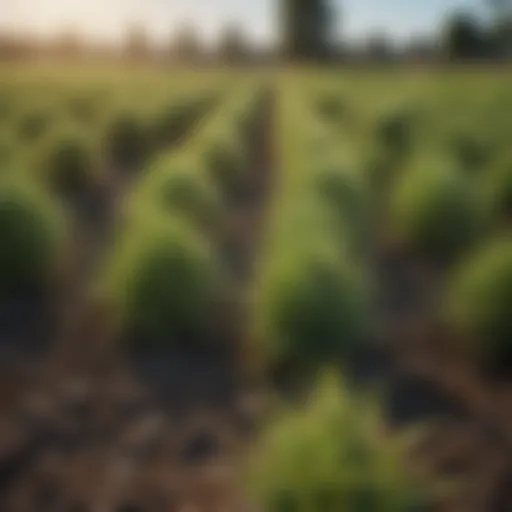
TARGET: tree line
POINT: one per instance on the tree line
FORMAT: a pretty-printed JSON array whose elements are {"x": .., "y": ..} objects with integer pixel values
[
  {"x": 309, "y": 31},
  {"x": 308, "y": 34}
]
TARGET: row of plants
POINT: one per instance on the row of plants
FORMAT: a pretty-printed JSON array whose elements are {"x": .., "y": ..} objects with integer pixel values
[
  {"x": 445, "y": 207},
  {"x": 440, "y": 168},
  {"x": 70, "y": 160},
  {"x": 312, "y": 309},
  {"x": 311, "y": 300},
  {"x": 441, "y": 194},
  {"x": 165, "y": 278},
  {"x": 123, "y": 122}
]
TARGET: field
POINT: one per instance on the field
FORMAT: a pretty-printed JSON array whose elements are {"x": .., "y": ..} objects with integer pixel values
[{"x": 289, "y": 289}]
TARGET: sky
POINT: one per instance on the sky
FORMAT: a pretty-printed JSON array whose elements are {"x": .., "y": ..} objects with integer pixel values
[{"x": 108, "y": 19}]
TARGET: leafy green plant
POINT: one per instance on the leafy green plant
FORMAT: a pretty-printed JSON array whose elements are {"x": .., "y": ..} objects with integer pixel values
[
  {"x": 83, "y": 106},
  {"x": 226, "y": 161},
  {"x": 34, "y": 123},
  {"x": 470, "y": 149},
  {"x": 68, "y": 161},
  {"x": 127, "y": 140},
  {"x": 498, "y": 189},
  {"x": 164, "y": 280},
  {"x": 335, "y": 455},
  {"x": 394, "y": 130},
  {"x": 309, "y": 304},
  {"x": 480, "y": 300},
  {"x": 332, "y": 106},
  {"x": 344, "y": 192},
  {"x": 32, "y": 229},
  {"x": 381, "y": 167},
  {"x": 436, "y": 211},
  {"x": 179, "y": 188},
  {"x": 172, "y": 120}
]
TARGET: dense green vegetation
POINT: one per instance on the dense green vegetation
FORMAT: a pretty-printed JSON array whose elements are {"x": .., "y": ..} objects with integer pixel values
[
  {"x": 364, "y": 165},
  {"x": 334, "y": 454}
]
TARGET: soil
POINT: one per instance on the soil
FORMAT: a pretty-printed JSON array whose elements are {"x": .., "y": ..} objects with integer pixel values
[{"x": 431, "y": 379}]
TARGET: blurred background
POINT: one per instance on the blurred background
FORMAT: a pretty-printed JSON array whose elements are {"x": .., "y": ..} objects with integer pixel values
[
  {"x": 255, "y": 32},
  {"x": 255, "y": 255}
]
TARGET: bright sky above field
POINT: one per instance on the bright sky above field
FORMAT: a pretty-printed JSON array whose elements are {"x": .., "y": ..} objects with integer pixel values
[{"x": 108, "y": 18}]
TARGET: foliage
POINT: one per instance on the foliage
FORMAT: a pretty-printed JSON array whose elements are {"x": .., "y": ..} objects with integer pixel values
[
  {"x": 310, "y": 305},
  {"x": 498, "y": 189},
  {"x": 32, "y": 230},
  {"x": 127, "y": 139},
  {"x": 68, "y": 160},
  {"x": 226, "y": 161},
  {"x": 395, "y": 130},
  {"x": 34, "y": 123},
  {"x": 471, "y": 150},
  {"x": 334, "y": 455},
  {"x": 163, "y": 280},
  {"x": 435, "y": 211},
  {"x": 344, "y": 191},
  {"x": 180, "y": 188},
  {"x": 464, "y": 37},
  {"x": 480, "y": 299}
]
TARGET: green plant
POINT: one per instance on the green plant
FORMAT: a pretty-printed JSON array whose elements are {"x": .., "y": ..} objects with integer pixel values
[
  {"x": 480, "y": 300},
  {"x": 31, "y": 230},
  {"x": 179, "y": 188},
  {"x": 498, "y": 189},
  {"x": 310, "y": 305},
  {"x": 83, "y": 106},
  {"x": 127, "y": 139},
  {"x": 435, "y": 211},
  {"x": 172, "y": 120},
  {"x": 471, "y": 150},
  {"x": 331, "y": 106},
  {"x": 34, "y": 123},
  {"x": 344, "y": 192},
  {"x": 164, "y": 280},
  {"x": 381, "y": 167},
  {"x": 226, "y": 161},
  {"x": 394, "y": 130},
  {"x": 68, "y": 161},
  {"x": 334, "y": 455}
]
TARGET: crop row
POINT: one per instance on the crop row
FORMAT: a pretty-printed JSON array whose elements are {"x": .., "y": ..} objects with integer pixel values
[
  {"x": 359, "y": 185},
  {"x": 439, "y": 167},
  {"x": 313, "y": 308},
  {"x": 167, "y": 281},
  {"x": 67, "y": 161}
]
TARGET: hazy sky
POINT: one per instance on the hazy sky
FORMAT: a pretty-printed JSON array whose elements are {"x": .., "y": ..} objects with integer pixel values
[{"x": 108, "y": 18}]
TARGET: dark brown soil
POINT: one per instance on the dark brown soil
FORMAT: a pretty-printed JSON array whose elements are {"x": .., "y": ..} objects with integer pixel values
[{"x": 431, "y": 379}]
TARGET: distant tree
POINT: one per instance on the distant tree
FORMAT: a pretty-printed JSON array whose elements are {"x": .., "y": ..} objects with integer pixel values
[
  {"x": 501, "y": 27},
  {"x": 501, "y": 38},
  {"x": 421, "y": 49},
  {"x": 464, "y": 37},
  {"x": 307, "y": 27},
  {"x": 186, "y": 45},
  {"x": 233, "y": 47},
  {"x": 137, "y": 45},
  {"x": 378, "y": 47}
]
